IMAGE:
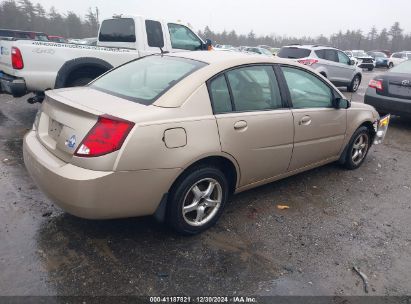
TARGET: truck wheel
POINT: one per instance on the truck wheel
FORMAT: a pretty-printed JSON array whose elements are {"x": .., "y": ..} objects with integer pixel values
[{"x": 197, "y": 200}]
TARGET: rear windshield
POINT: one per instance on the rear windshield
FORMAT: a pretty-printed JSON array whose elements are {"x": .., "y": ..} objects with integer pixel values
[
  {"x": 404, "y": 67},
  {"x": 118, "y": 30},
  {"x": 145, "y": 80},
  {"x": 293, "y": 52}
]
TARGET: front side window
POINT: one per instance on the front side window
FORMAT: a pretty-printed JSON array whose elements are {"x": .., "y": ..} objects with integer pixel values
[
  {"x": 254, "y": 88},
  {"x": 145, "y": 80},
  {"x": 118, "y": 30},
  {"x": 342, "y": 58},
  {"x": 220, "y": 95},
  {"x": 183, "y": 38},
  {"x": 154, "y": 34},
  {"x": 306, "y": 90}
]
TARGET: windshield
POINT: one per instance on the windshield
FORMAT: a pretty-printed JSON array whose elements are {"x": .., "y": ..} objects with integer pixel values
[
  {"x": 359, "y": 54},
  {"x": 404, "y": 67},
  {"x": 146, "y": 79}
]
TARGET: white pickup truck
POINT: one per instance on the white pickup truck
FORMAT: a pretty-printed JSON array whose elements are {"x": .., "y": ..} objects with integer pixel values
[{"x": 36, "y": 66}]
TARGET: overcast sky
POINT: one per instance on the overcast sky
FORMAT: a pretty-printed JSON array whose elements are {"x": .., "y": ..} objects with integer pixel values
[{"x": 289, "y": 17}]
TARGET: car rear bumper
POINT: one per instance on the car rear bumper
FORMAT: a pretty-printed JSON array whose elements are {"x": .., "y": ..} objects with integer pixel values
[
  {"x": 386, "y": 104},
  {"x": 12, "y": 85},
  {"x": 95, "y": 194},
  {"x": 366, "y": 65}
]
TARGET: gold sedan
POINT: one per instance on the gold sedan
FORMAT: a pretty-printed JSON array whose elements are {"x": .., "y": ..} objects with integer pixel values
[{"x": 175, "y": 135}]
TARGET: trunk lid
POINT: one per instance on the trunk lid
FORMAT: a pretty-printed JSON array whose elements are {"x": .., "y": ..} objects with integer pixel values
[
  {"x": 68, "y": 115},
  {"x": 396, "y": 85}
]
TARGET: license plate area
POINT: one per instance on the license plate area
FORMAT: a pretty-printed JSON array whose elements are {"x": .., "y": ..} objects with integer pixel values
[
  {"x": 54, "y": 129},
  {"x": 399, "y": 90}
]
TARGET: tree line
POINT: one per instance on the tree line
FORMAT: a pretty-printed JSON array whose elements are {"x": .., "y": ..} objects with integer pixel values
[
  {"x": 25, "y": 15},
  {"x": 393, "y": 39}
]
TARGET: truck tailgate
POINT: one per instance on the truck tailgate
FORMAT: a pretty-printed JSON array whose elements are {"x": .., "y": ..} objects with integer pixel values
[{"x": 5, "y": 57}]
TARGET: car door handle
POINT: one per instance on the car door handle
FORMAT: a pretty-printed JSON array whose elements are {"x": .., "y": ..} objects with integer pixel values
[
  {"x": 306, "y": 120},
  {"x": 240, "y": 125}
]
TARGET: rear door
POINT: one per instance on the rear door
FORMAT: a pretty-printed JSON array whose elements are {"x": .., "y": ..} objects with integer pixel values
[
  {"x": 333, "y": 67},
  {"x": 345, "y": 69},
  {"x": 319, "y": 127},
  {"x": 255, "y": 126}
]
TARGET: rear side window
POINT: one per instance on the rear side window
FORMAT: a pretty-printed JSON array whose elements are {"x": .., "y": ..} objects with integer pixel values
[
  {"x": 220, "y": 95},
  {"x": 306, "y": 90},
  {"x": 293, "y": 53},
  {"x": 254, "y": 88},
  {"x": 155, "y": 36},
  {"x": 331, "y": 55},
  {"x": 145, "y": 80},
  {"x": 320, "y": 53},
  {"x": 118, "y": 30}
]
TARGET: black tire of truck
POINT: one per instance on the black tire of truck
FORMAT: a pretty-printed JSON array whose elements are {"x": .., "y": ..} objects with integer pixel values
[{"x": 80, "y": 71}]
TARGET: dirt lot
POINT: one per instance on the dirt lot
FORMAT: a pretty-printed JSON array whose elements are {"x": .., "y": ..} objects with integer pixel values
[{"x": 337, "y": 219}]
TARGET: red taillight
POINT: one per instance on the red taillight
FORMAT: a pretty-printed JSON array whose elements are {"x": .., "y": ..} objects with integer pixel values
[
  {"x": 308, "y": 62},
  {"x": 107, "y": 136},
  {"x": 16, "y": 59},
  {"x": 376, "y": 84}
]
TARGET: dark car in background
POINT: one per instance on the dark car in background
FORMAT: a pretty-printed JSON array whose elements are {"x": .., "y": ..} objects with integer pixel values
[
  {"x": 391, "y": 92},
  {"x": 29, "y": 35},
  {"x": 380, "y": 58},
  {"x": 57, "y": 39}
]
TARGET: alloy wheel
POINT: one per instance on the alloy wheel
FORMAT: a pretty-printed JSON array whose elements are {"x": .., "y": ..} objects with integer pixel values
[
  {"x": 202, "y": 202},
  {"x": 360, "y": 148}
]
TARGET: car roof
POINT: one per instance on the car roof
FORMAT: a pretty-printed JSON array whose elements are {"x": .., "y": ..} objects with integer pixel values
[
  {"x": 311, "y": 46},
  {"x": 216, "y": 63},
  {"x": 227, "y": 59}
]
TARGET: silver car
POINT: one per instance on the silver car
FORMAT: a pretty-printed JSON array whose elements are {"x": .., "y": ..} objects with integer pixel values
[{"x": 332, "y": 63}]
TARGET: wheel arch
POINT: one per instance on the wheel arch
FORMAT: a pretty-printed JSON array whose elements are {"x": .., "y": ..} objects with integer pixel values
[
  {"x": 364, "y": 123},
  {"x": 73, "y": 66},
  {"x": 225, "y": 162}
]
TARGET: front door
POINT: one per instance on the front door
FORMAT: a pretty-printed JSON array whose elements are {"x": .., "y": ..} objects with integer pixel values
[
  {"x": 254, "y": 126},
  {"x": 319, "y": 127}
]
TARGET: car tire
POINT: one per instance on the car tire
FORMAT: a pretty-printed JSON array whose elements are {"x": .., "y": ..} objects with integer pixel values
[
  {"x": 390, "y": 65},
  {"x": 357, "y": 149},
  {"x": 193, "y": 189},
  {"x": 355, "y": 84}
]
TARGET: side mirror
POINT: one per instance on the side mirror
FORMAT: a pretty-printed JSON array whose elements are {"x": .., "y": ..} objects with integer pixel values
[
  {"x": 352, "y": 62},
  {"x": 208, "y": 45},
  {"x": 341, "y": 103}
]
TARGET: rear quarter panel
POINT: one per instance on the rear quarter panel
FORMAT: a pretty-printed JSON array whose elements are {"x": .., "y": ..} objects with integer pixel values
[{"x": 146, "y": 147}]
